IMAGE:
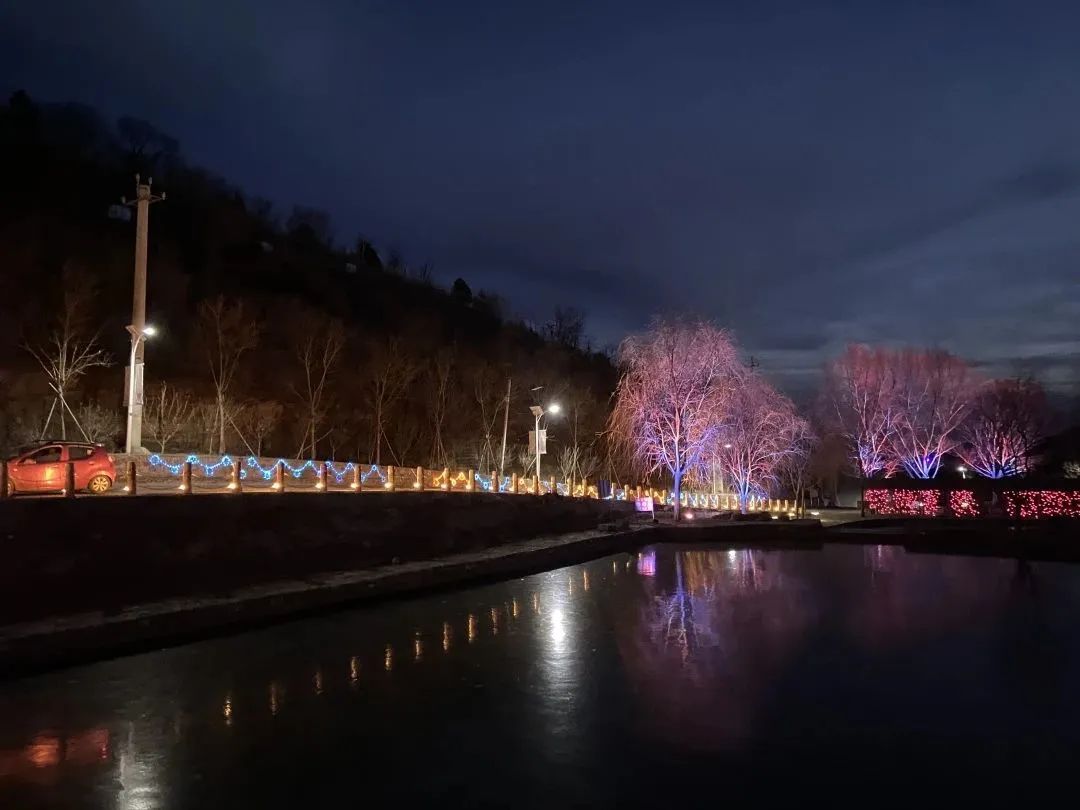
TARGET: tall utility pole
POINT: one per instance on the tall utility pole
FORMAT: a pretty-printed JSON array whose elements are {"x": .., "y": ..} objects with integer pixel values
[
  {"x": 506, "y": 424},
  {"x": 133, "y": 391}
]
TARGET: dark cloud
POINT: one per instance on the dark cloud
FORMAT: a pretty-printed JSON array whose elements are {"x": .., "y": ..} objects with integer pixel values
[{"x": 808, "y": 173}]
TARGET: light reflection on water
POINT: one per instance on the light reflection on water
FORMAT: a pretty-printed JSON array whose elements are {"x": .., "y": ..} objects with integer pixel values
[{"x": 666, "y": 649}]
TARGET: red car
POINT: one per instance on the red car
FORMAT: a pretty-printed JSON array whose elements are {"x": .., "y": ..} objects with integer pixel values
[{"x": 40, "y": 468}]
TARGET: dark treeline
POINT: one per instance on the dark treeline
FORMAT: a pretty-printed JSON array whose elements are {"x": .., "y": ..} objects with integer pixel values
[{"x": 271, "y": 338}]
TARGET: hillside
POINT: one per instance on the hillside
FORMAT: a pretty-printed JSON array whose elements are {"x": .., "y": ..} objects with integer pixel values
[{"x": 418, "y": 373}]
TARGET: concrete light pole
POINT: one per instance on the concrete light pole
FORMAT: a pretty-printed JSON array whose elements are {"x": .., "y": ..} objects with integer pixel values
[
  {"x": 137, "y": 340},
  {"x": 143, "y": 198}
]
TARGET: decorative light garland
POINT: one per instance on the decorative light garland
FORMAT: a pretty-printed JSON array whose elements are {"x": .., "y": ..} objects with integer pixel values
[
  {"x": 964, "y": 503},
  {"x": 913, "y": 502},
  {"x": 1041, "y": 503}
]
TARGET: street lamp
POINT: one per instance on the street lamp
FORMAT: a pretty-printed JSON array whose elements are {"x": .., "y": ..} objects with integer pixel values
[
  {"x": 137, "y": 338},
  {"x": 963, "y": 471},
  {"x": 538, "y": 411}
]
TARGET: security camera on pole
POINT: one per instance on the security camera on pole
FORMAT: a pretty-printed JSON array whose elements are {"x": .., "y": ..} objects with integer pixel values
[{"x": 133, "y": 391}]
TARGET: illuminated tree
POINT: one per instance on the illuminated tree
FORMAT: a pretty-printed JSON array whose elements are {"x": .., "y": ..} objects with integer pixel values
[
  {"x": 1007, "y": 420},
  {"x": 671, "y": 403},
  {"x": 933, "y": 396},
  {"x": 763, "y": 432},
  {"x": 860, "y": 392}
]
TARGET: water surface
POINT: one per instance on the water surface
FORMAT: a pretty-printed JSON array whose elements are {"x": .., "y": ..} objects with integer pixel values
[{"x": 852, "y": 675}]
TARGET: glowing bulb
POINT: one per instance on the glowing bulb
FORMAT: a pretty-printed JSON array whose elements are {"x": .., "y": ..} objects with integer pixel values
[
  {"x": 554, "y": 407},
  {"x": 149, "y": 331}
]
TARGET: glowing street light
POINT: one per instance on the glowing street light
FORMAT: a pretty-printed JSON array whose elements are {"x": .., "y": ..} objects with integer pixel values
[
  {"x": 539, "y": 411},
  {"x": 137, "y": 337},
  {"x": 963, "y": 471}
]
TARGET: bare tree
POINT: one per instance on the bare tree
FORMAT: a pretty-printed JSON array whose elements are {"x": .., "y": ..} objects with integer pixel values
[
  {"x": 71, "y": 348},
  {"x": 1007, "y": 421},
  {"x": 202, "y": 428},
  {"x": 258, "y": 420},
  {"x": 168, "y": 411},
  {"x": 671, "y": 403},
  {"x": 489, "y": 393},
  {"x": 389, "y": 373},
  {"x": 225, "y": 332},
  {"x": 763, "y": 431},
  {"x": 318, "y": 347},
  {"x": 861, "y": 400},
  {"x": 568, "y": 463},
  {"x": 440, "y": 376},
  {"x": 934, "y": 393},
  {"x": 526, "y": 460},
  {"x": 795, "y": 467},
  {"x": 99, "y": 424}
]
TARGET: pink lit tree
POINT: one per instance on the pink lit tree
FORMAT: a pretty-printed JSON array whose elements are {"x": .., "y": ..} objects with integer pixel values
[
  {"x": 763, "y": 432},
  {"x": 1006, "y": 422},
  {"x": 671, "y": 404},
  {"x": 933, "y": 397},
  {"x": 860, "y": 395}
]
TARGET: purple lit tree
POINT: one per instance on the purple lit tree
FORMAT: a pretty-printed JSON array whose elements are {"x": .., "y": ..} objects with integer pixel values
[
  {"x": 671, "y": 403},
  {"x": 860, "y": 395},
  {"x": 762, "y": 433},
  {"x": 1007, "y": 420},
  {"x": 933, "y": 397}
]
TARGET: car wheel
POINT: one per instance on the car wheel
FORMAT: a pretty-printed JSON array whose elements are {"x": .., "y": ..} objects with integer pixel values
[{"x": 99, "y": 484}]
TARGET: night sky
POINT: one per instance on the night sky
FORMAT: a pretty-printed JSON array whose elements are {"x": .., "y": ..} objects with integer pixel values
[{"x": 806, "y": 173}]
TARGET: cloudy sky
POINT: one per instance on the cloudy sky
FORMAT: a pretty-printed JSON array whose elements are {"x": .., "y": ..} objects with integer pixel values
[{"x": 806, "y": 173}]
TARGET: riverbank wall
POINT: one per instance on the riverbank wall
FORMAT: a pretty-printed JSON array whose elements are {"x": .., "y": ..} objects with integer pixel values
[{"x": 61, "y": 557}]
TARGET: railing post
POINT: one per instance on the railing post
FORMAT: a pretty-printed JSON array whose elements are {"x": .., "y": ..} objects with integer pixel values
[
  {"x": 584, "y": 488},
  {"x": 185, "y": 478},
  {"x": 553, "y": 486},
  {"x": 320, "y": 477},
  {"x": 446, "y": 478},
  {"x": 279, "y": 476},
  {"x": 132, "y": 484},
  {"x": 419, "y": 479},
  {"x": 390, "y": 479},
  {"x": 69, "y": 479},
  {"x": 495, "y": 482},
  {"x": 356, "y": 483},
  {"x": 639, "y": 492},
  {"x": 234, "y": 477},
  {"x": 3, "y": 479},
  {"x": 513, "y": 483},
  {"x": 470, "y": 480}
]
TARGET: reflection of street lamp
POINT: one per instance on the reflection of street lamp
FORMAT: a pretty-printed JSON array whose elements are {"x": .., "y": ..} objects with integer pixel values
[
  {"x": 136, "y": 338},
  {"x": 963, "y": 471},
  {"x": 538, "y": 412}
]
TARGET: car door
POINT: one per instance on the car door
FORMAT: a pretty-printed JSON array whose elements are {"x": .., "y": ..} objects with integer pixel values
[
  {"x": 41, "y": 470},
  {"x": 81, "y": 455}
]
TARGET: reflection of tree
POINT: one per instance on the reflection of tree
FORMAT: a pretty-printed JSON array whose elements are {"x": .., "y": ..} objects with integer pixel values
[
  {"x": 700, "y": 653},
  {"x": 674, "y": 621}
]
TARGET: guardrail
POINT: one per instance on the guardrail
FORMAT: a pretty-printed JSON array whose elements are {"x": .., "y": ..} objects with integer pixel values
[{"x": 189, "y": 474}]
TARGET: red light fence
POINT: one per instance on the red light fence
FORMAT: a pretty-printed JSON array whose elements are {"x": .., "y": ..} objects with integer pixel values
[{"x": 1017, "y": 504}]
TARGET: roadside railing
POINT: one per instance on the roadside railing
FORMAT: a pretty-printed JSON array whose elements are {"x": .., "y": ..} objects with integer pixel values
[{"x": 192, "y": 474}]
